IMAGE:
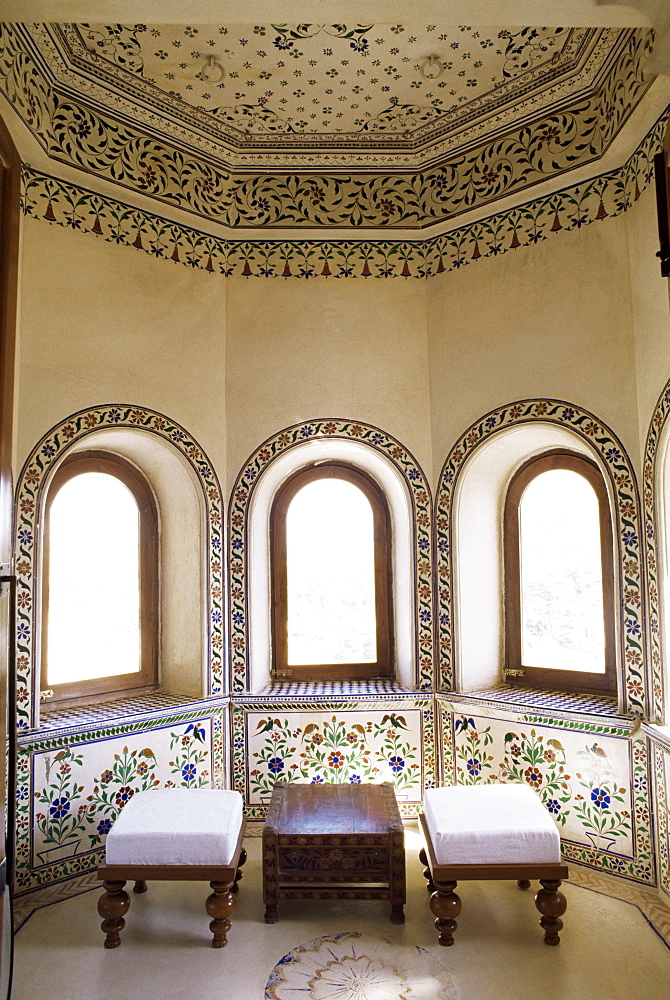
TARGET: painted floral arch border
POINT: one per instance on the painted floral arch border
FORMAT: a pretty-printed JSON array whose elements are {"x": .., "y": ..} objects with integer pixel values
[
  {"x": 634, "y": 687},
  {"x": 651, "y": 514},
  {"x": 30, "y": 487},
  {"x": 422, "y": 535}
]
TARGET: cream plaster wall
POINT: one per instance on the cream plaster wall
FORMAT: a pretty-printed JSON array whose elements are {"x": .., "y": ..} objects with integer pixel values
[
  {"x": 102, "y": 324},
  {"x": 650, "y": 308},
  {"x": 342, "y": 347},
  {"x": 552, "y": 319}
]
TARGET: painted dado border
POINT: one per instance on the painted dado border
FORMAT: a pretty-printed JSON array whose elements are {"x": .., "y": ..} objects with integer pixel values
[
  {"x": 73, "y": 130},
  {"x": 634, "y": 686},
  {"x": 29, "y": 495},
  {"x": 652, "y": 525},
  {"x": 78, "y": 208},
  {"x": 421, "y": 533}
]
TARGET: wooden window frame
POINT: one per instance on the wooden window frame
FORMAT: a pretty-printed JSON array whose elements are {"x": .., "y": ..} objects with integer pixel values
[
  {"x": 383, "y": 575},
  {"x": 515, "y": 671},
  {"x": 146, "y": 679}
]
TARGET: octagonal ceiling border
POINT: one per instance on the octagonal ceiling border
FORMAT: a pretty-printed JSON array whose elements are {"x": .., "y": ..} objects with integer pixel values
[
  {"x": 58, "y": 202},
  {"x": 74, "y": 133}
]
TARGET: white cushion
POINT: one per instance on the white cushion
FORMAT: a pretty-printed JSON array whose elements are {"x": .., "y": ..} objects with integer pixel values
[
  {"x": 176, "y": 826},
  {"x": 490, "y": 824}
]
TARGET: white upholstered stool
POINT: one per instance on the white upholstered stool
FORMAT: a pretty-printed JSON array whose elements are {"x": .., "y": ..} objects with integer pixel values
[
  {"x": 490, "y": 832},
  {"x": 174, "y": 833}
]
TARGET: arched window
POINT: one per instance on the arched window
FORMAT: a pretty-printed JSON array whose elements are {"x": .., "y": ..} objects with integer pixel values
[
  {"x": 100, "y": 591},
  {"x": 331, "y": 576},
  {"x": 559, "y": 576}
]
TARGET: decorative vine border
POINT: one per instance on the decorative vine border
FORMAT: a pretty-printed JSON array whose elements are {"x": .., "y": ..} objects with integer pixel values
[
  {"x": 238, "y": 533},
  {"x": 29, "y": 493},
  {"x": 650, "y": 471},
  {"x": 607, "y": 196},
  {"x": 661, "y": 773},
  {"x": 629, "y": 551}
]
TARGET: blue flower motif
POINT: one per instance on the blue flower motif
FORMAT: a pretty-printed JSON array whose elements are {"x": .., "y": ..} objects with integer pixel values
[
  {"x": 177, "y": 435},
  {"x": 21, "y": 793},
  {"x": 600, "y": 798},
  {"x": 263, "y": 206},
  {"x": 25, "y": 536},
  {"x": 104, "y": 826},
  {"x": 424, "y": 544},
  {"x": 282, "y": 43},
  {"x": 490, "y": 422},
  {"x": 59, "y": 807},
  {"x": 114, "y": 415},
  {"x": 250, "y": 472},
  {"x": 613, "y": 455},
  {"x": 48, "y": 450},
  {"x": 414, "y": 474},
  {"x": 238, "y": 618},
  {"x": 632, "y": 627},
  {"x": 216, "y": 617},
  {"x": 360, "y": 45},
  {"x": 554, "y": 806},
  {"x": 448, "y": 478},
  {"x": 188, "y": 772},
  {"x": 276, "y": 765},
  {"x": 237, "y": 544},
  {"x": 306, "y": 431},
  {"x": 443, "y": 545},
  {"x": 23, "y": 631},
  {"x": 568, "y": 413},
  {"x": 377, "y": 438},
  {"x": 424, "y": 615},
  {"x": 474, "y": 766},
  {"x": 205, "y": 472},
  {"x": 355, "y": 779},
  {"x": 445, "y": 620},
  {"x": 650, "y": 531},
  {"x": 317, "y": 780},
  {"x": 629, "y": 538},
  {"x": 216, "y": 543},
  {"x": 396, "y": 764}
]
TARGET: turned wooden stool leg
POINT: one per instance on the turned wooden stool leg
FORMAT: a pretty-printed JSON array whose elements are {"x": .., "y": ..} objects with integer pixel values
[
  {"x": 140, "y": 886},
  {"x": 446, "y": 905},
  {"x": 523, "y": 883},
  {"x": 219, "y": 906},
  {"x": 552, "y": 905},
  {"x": 113, "y": 903},
  {"x": 423, "y": 858},
  {"x": 238, "y": 873}
]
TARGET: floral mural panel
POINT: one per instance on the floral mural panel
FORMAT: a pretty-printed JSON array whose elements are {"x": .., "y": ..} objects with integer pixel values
[
  {"x": 79, "y": 788},
  {"x": 592, "y": 778},
  {"x": 661, "y": 772},
  {"x": 341, "y": 745}
]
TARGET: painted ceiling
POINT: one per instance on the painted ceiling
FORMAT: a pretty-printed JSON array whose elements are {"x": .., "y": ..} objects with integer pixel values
[{"x": 314, "y": 125}]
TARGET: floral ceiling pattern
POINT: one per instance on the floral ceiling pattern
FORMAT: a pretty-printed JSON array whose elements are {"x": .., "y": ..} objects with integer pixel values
[{"x": 320, "y": 79}]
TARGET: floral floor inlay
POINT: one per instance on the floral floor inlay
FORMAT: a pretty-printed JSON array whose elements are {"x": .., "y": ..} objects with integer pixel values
[{"x": 351, "y": 966}]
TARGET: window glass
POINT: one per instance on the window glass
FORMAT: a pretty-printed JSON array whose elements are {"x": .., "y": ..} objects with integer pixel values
[
  {"x": 94, "y": 597},
  {"x": 330, "y": 575},
  {"x": 562, "y": 623}
]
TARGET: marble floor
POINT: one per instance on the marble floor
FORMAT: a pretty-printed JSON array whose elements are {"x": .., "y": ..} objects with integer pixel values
[{"x": 611, "y": 949}]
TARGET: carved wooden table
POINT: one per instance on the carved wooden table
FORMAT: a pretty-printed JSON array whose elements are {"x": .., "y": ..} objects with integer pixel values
[{"x": 327, "y": 841}]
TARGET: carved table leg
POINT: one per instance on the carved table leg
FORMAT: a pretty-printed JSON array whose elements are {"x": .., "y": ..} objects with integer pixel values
[
  {"x": 446, "y": 905},
  {"x": 271, "y": 913},
  {"x": 552, "y": 905},
  {"x": 238, "y": 873},
  {"x": 113, "y": 903},
  {"x": 140, "y": 886},
  {"x": 397, "y": 913},
  {"x": 423, "y": 858},
  {"x": 219, "y": 906},
  {"x": 523, "y": 883}
]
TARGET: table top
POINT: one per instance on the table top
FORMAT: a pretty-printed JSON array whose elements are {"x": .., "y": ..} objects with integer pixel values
[{"x": 322, "y": 809}]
